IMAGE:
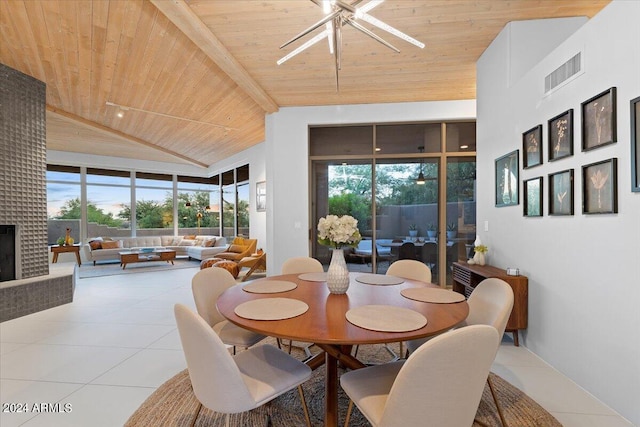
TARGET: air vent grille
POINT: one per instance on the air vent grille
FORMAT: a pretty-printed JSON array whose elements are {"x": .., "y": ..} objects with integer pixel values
[{"x": 563, "y": 73}]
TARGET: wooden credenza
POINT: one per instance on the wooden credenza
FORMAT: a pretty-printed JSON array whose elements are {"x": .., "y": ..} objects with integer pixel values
[{"x": 466, "y": 277}]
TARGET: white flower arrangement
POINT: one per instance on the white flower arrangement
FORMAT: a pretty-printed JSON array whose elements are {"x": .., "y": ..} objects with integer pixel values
[{"x": 338, "y": 232}]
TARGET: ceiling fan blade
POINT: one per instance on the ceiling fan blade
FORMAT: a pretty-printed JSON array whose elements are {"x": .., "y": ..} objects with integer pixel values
[
  {"x": 302, "y": 47},
  {"x": 371, "y": 34}
]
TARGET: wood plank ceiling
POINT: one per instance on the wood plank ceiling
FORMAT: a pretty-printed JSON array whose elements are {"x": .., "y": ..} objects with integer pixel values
[{"x": 199, "y": 76}]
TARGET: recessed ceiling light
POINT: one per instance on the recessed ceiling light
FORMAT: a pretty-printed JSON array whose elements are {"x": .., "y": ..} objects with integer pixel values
[{"x": 464, "y": 147}]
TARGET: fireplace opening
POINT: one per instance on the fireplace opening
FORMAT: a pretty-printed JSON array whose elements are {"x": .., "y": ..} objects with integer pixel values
[{"x": 7, "y": 252}]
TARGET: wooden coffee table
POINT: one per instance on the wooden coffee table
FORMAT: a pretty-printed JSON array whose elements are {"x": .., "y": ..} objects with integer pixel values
[{"x": 130, "y": 257}]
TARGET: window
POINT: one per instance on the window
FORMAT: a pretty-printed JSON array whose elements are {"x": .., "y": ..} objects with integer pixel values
[
  {"x": 154, "y": 204},
  {"x": 63, "y": 202},
  {"x": 371, "y": 172}
]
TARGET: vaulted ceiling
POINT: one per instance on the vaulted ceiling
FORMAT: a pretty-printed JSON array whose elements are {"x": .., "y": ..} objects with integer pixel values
[{"x": 195, "y": 78}]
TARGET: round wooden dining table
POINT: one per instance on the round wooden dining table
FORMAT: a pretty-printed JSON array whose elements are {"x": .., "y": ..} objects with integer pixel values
[{"x": 325, "y": 322}]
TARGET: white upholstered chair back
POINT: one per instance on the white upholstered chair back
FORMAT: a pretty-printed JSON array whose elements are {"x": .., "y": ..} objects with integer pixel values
[
  {"x": 490, "y": 303},
  {"x": 207, "y": 285},
  {"x": 216, "y": 379},
  {"x": 300, "y": 265},
  {"x": 410, "y": 269},
  {"x": 441, "y": 383}
]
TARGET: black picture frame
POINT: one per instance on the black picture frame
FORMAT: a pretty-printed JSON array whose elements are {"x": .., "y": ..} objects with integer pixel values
[
  {"x": 261, "y": 196},
  {"x": 532, "y": 197},
  {"x": 507, "y": 172},
  {"x": 561, "y": 193},
  {"x": 599, "y": 120},
  {"x": 600, "y": 187},
  {"x": 532, "y": 147},
  {"x": 560, "y": 138},
  {"x": 635, "y": 144}
]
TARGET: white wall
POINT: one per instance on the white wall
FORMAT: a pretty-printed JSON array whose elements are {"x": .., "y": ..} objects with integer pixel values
[
  {"x": 584, "y": 270},
  {"x": 288, "y": 188}
]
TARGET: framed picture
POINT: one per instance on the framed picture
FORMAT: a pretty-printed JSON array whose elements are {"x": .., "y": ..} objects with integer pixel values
[
  {"x": 507, "y": 175},
  {"x": 561, "y": 136},
  {"x": 532, "y": 147},
  {"x": 635, "y": 144},
  {"x": 532, "y": 189},
  {"x": 599, "y": 120},
  {"x": 261, "y": 196},
  {"x": 600, "y": 187},
  {"x": 561, "y": 193}
]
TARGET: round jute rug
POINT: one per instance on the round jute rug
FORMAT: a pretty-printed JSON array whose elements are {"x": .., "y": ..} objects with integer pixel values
[{"x": 174, "y": 404}]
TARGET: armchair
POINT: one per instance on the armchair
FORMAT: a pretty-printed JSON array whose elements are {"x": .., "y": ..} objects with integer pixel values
[{"x": 239, "y": 248}]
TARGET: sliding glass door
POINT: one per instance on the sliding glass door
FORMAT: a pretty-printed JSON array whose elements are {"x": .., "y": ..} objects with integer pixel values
[{"x": 411, "y": 187}]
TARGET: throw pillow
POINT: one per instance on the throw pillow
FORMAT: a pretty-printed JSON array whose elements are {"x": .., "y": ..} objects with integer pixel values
[
  {"x": 166, "y": 240},
  {"x": 95, "y": 244},
  {"x": 199, "y": 242},
  {"x": 187, "y": 242},
  {"x": 190, "y": 237},
  {"x": 209, "y": 243},
  {"x": 113, "y": 244},
  {"x": 176, "y": 241},
  {"x": 236, "y": 248}
]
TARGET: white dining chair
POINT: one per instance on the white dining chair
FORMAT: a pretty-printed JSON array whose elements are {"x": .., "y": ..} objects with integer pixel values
[
  {"x": 300, "y": 265},
  {"x": 303, "y": 264},
  {"x": 207, "y": 285},
  {"x": 410, "y": 269},
  {"x": 232, "y": 384},
  {"x": 439, "y": 385},
  {"x": 490, "y": 303}
]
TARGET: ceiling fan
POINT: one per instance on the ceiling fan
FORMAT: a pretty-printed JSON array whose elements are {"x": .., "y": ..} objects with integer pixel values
[{"x": 337, "y": 14}]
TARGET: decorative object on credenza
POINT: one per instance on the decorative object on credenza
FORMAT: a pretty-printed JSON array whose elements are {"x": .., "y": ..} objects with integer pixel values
[
  {"x": 507, "y": 172},
  {"x": 560, "y": 130},
  {"x": 478, "y": 253},
  {"x": 532, "y": 147},
  {"x": 532, "y": 189},
  {"x": 600, "y": 187},
  {"x": 599, "y": 120},
  {"x": 338, "y": 233},
  {"x": 261, "y": 196},
  {"x": 635, "y": 144},
  {"x": 413, "y": 230},
  {"x": 561, "y": 193}
]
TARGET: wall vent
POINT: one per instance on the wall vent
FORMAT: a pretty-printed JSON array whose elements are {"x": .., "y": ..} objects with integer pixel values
[{"x": 563, "y": 73}]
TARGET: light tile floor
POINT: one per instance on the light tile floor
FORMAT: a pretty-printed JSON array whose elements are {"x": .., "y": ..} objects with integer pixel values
[{"x": 105, "y": 353}]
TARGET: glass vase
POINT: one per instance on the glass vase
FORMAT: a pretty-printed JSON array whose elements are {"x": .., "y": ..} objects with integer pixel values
[
  {"x": 338, "y": 274},
  {"x": 479, "y": 258}
]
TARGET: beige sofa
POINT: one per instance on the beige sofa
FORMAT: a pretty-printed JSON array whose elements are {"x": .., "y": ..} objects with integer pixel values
[{"x": 198, "y": 247}]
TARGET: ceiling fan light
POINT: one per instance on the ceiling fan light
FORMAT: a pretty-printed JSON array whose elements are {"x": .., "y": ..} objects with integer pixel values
[{"x": 421, "y": 180}]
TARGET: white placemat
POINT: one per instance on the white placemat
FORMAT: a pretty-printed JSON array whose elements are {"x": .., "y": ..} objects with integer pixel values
[
  {"x": 379, "y": 279},
  {"x": 269, "y": 286},
  {"x": 434, "y": 295},
  {"x": 314, "y": 277},
  {"x": 271, "y": 309},
  {"x": 386, "y": 318}
]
